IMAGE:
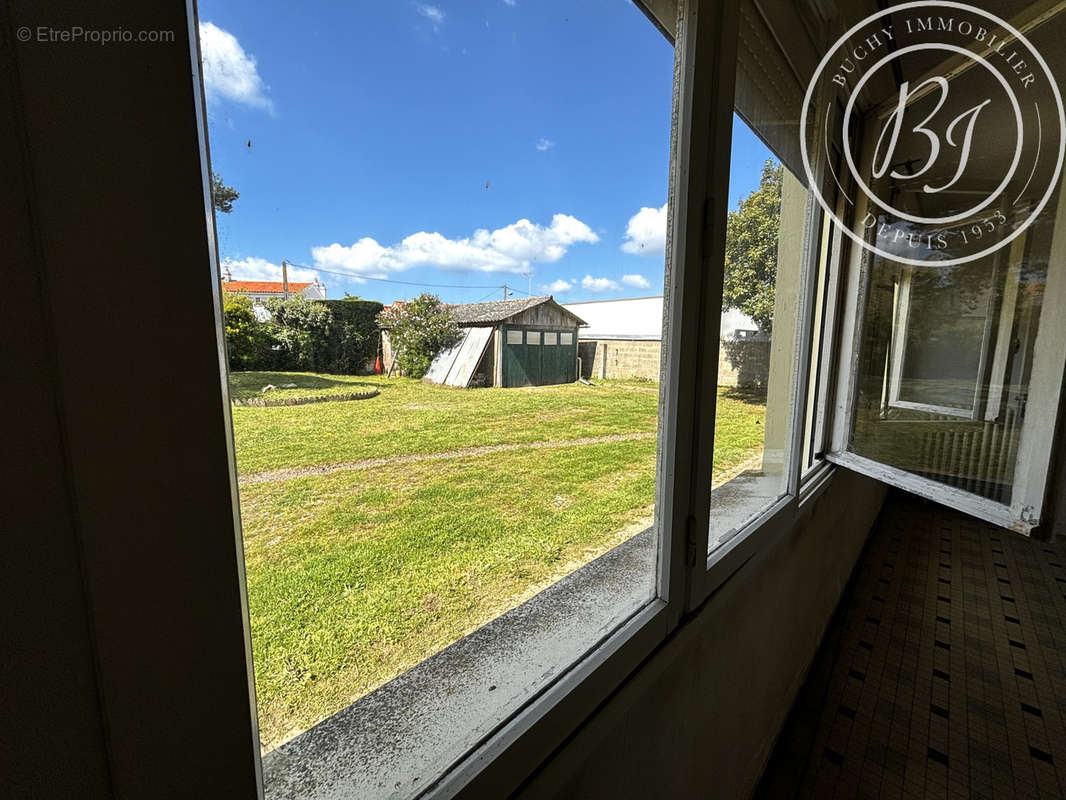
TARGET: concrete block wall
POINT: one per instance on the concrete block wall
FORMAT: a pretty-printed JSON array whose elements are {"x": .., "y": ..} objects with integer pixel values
[
  {"x": 619, "y": 358},
  {"x": 635, "y": 358}
]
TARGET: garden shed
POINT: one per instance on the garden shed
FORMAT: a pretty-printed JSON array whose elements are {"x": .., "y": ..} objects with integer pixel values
[{"x": 528, "y": 342}]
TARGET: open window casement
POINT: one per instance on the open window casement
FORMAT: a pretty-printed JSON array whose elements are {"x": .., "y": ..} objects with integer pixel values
[{"x": 953, "y": 318}]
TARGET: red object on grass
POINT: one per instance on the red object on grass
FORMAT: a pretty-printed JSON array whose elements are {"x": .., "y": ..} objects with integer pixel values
[{"x": 377, "y": 365}]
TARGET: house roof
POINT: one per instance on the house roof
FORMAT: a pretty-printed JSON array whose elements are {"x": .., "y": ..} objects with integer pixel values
[
  {"x": 263, "y": 287},
  {"x": 499, "y": 310}
]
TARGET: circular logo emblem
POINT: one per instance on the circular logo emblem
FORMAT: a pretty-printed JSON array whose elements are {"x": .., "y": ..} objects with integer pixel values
[{"x": 939, "y": 127}]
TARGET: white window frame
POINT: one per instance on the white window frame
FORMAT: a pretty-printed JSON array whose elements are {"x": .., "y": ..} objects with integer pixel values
[
  {"x": 803, "y": 484},
  {"x": 898, "y": 351},
  {"x": 1035, "y": 450},
  {"x": 705, "y": 55}
]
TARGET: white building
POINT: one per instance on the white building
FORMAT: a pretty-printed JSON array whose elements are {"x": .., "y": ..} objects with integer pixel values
[
  {"x": 624, "y": 337},
  {"x": 261, "y": 291}
]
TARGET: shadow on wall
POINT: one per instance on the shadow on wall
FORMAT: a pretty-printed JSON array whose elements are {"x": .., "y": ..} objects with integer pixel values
[{"x": 749, "y": 365}]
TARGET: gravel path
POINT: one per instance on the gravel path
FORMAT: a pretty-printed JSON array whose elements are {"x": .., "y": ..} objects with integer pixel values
[{"x": 274, "y": 475}]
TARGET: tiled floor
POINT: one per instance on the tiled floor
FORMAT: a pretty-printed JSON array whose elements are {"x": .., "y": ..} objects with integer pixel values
[{"x": 943, "y": 673}]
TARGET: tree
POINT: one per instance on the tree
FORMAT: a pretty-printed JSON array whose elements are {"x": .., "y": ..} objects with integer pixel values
[
  {"x": 300, "y": 328},
  {"x": 222, "y": 196},
  {"x": 419, "y": 330},
  {"x": 247, "y": 339},
  {"x": 751, "y": 250}
]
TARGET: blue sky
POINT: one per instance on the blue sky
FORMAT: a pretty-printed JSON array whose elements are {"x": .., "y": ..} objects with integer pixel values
[{"x": 470, "y": 144}]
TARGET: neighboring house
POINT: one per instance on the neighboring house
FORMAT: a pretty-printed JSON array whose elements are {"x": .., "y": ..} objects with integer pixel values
[
  {"x": 529, "y": 342},
  {"x": 624, "y": 338},
  {"x": 261, "y": 291}
]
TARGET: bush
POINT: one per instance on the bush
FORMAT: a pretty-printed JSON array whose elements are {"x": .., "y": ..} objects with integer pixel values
[
  {"x": 419, "y": 330},
  {"x": 247, "y": 339},
  {"x": 300, "y": 329},
  {"x": 335, "y": 336},
  {"x": 352, "y": 342}
]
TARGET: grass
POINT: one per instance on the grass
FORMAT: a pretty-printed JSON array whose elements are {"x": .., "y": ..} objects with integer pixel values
[
  {"x": 412, "y": 417},
  {"x": 357, "y": 575}
]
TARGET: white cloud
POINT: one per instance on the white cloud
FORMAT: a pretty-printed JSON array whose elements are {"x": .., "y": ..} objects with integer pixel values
[
  {"x": 556, "y": 287},
  {"x": 599, "y": 284},
  {"x": 509, "y": 249},
  {"x": 259, "y": 269},
  {"x": 646, "y": 232},
  {"x": 229, "y": 72},
  {"x": 636, "y": 281},
  {"x": 432, "y": 13},
  {"x": 544, "y": 144}
]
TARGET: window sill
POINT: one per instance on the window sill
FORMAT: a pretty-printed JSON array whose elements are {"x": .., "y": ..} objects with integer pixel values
[{"x": 398, "y": 740}]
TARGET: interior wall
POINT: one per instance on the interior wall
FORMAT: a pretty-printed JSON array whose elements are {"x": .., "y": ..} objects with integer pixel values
[
  {"x": 123, "y": 622},
  {"x": 700, "y": 718}
]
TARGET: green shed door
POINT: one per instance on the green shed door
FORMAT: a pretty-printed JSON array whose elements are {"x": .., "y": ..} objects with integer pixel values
[
  {"x": 535, "y": 357},
  {"x": 539, "y": 357},
  {"x": 515, "y": 358},
  {"x": 568, "y": 356}
]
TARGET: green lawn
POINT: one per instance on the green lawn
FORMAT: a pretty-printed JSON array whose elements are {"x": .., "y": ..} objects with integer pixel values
[{"x": 357, "y": 575}]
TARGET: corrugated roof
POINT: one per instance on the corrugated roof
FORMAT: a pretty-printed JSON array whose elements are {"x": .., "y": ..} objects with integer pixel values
[{"x": 496, "y": 310}]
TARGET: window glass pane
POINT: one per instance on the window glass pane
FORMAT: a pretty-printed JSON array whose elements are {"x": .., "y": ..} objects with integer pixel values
[
  {"x": 765, "y": 246},
  {"x": 950, "y": 306},
  {"x": 566, "y": 338},
  {"x": 436, "y": 527}
]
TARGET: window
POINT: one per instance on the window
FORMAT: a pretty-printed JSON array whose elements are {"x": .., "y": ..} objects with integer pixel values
[
  {"x": 941, "y": 335},
  {"x": 951, "y": 358},
  {"x": 819, "y": 348},
  {"x": 431, "y": 536},
  {"x": 566, "y": 338},
  {"x": 770, "y": 234}
]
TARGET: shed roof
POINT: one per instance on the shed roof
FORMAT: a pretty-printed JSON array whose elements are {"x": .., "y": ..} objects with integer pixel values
[{"x": 500, "y": 310}]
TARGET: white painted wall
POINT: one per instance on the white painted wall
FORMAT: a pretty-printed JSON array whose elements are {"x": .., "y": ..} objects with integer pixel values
[
  {"x": 639, "y": 318},
  {"x": 633, "y": 318}
]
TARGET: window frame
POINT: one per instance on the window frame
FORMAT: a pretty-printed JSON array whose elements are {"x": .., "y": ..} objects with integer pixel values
[
  {"x": 898, "y": 348},
  {"x": 705, "y": 56},
  {"x": 1033, "y": 480},
  {"x": 704, "y": 74},
  {"x": 804, "y": 483}
]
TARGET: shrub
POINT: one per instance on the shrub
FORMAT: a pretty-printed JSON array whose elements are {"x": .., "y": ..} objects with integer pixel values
[
  {"x": 335, "y": 336},
  {"x": 247, "y": 339},
  {"x": 353, "y": 335},
  {"x": 300, "y": 329},
  {"x": 419, "y": 330}
]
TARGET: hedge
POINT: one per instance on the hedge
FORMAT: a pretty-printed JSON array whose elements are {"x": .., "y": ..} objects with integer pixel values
[
  {"x": 344, "y": 341},
  {"x": 352, "y": 342}
]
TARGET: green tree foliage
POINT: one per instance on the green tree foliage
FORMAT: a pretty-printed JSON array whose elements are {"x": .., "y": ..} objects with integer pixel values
[
  {"x": 222, "y": 196},
  {"x": 751, "y": 250},
  {"x": 300, "y": 329},
  {"x": 247, "y": 339},
  {"x": 419, "y": 330},
  {"x": 335, "y": 336},
  {"x": 353, "y": 335}
]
